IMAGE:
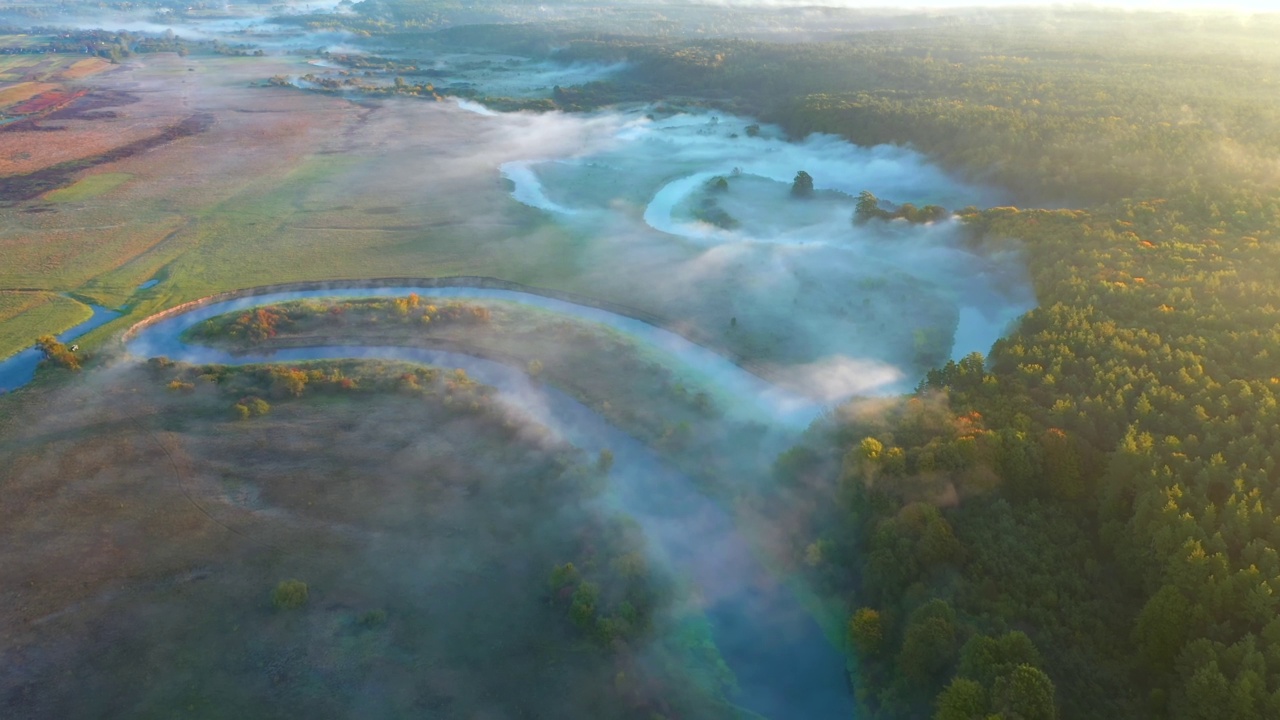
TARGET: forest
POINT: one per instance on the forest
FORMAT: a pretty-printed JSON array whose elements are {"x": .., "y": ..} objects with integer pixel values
[{"x": 1082, "y": 524}]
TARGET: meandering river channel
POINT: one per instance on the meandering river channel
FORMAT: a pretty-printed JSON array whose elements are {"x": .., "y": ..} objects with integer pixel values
[{"x": 785, "y": 666}]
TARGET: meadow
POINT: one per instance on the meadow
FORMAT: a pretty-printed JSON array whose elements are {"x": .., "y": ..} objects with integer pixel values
[
  {"x": 423, "y": 522},
  {"x": 119, "y": 224},
  {"x": 27, "y": 315}
]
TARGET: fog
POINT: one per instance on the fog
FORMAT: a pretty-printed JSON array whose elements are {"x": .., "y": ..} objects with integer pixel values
[
  {"x": 1249, "y": 6},
  {"x": 796, "y": 278},
  {"x": 776, "y": 306}
]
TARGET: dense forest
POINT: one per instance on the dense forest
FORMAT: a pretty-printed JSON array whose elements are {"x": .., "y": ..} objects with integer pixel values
[{"x": 1082, "y": 524}]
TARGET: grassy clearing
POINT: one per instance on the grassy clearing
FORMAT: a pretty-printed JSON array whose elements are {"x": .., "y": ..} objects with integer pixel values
[
  {"x": 88, "y": 187},
  {"x": 24, "y": 316}
]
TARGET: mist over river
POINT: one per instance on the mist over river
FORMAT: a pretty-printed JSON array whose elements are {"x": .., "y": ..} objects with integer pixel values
[
  {"x": 689, "y": 215},
  {"x": 842, "y": 308}
]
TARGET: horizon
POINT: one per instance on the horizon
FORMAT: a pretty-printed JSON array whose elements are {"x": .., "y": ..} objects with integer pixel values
[{"x": 1266, "y": 7}]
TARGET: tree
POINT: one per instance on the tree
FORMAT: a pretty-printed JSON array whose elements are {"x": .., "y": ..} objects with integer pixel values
[
  {"x": 963, "y": 699},
  {"x": 57, "y": 353},
  {"x": 1162, "y": 628},
  {"x": 868, "y": 207},
  {"x": 866, "y": 631},
  {"x": 802, "y": 186},
  {"x": 563, "y": 576},
  {"x": 583, "y": 607},
  {"x": 984, "y": 658},
  {"x": 1024, "y": 694},
  {"x": 929, "y": 643},
  {"x": 1064, "y": 475},
  {"x": 290, "y": 595}
]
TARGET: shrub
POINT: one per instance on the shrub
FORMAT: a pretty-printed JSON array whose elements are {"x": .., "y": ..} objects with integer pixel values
[
  {"x": 57, "y": 353},
  {"x": 289, "y": 595},
  {"x": 372, "y": 618},
  {"x": 252, "y": 406}
]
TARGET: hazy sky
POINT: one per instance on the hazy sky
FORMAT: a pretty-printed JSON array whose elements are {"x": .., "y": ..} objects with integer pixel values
[{"x": 1270, "y": 6}]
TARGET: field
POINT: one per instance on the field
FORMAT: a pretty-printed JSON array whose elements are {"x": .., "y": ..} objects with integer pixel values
[
  {"x": 26, "y": 315},
  {"x": 176, "y": 522},
  {"x": 22, "y": 91},
  {"x": 88, "y": 187},
  {"x": 276, "y": 185},
  {"x": 46, "y": 67},
  {"x": 279, "y": 186}
]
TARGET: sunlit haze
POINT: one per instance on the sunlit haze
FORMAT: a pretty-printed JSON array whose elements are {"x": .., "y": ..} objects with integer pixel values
[{"x": 639, "y": 360}]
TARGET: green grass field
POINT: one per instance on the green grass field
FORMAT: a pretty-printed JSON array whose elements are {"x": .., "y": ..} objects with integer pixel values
[
  {"x": 22, "y": 41},
  {"x": 26, "y": 315},
  {"x": 208, "y": 215},
  {"x": 277, "y": 231},
  {"x": 88, "y": 187}
]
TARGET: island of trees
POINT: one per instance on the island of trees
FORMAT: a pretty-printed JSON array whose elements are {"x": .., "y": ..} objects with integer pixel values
[{"x": 869, "y": 209}]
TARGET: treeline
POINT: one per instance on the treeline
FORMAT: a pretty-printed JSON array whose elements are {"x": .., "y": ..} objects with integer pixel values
[
  {"x": 1066, "y": 106},
  {"x": 301, "y": 317},
  {"x": 1105, "y": 482},
  {"x": 57, "y": 354},
  {"x": 118, "y": 45},
  {"x": 869, "y": 208},
  {"x": 250, "y": 386}
]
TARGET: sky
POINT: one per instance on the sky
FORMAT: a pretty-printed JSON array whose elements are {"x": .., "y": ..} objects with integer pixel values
[{"x": 1257, "y": 6}]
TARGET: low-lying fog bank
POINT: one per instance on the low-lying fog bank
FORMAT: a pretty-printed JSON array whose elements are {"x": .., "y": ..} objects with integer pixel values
[{"x": 698, "y": 210}]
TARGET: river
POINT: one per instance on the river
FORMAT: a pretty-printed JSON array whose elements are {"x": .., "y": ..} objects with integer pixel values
[{"x": 785, "y": 665}]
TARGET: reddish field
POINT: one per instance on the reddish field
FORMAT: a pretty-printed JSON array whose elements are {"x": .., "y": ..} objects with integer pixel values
[
  {"x": 48, "y": 101},
  {"x": 84, "y": 68},
  {"x": 22, "y": 91}
]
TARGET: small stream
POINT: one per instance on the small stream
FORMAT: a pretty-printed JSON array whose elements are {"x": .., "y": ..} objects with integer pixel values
[{"x": 785, "y": 666}]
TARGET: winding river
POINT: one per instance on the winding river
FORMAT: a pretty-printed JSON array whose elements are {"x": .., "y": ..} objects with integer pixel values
[
  {"x": 752, "y": 398},
  {"x": 785, "y": 666}
]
